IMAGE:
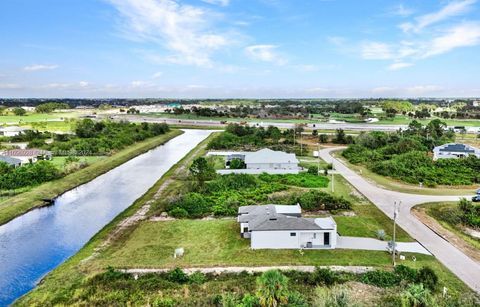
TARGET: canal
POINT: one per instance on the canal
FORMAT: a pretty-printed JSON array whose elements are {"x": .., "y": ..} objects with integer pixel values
[{"x": 38, "y": 241}]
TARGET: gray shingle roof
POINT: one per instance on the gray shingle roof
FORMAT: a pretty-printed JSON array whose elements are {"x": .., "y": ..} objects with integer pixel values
[
  {"x": 282, "y": 222},
  {"x": 10, "y": 160},
  {"x": 270, "y": 156},
  {"x": 457, "y": 148}
]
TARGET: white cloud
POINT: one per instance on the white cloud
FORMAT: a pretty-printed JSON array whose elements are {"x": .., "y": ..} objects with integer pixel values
[
  {"x": 402, "y": 11},
  {"x": 463, "y": 35},
  {"x": 217, "y": 2},
  {"x": 83, "y": 84},
  {"x": 377, "y": 51},
  {"x": 399, "y": 65},
  {"x": 265, "y": 53},
  {"x": 184, "y": 30},
  {"x": 452, "y": 9},
  {"x": 157, "y": 75},
  {"x": 37, "y": 67},
  {"x": 423, "y": 90},
  {"x": 9, "y": 86}
]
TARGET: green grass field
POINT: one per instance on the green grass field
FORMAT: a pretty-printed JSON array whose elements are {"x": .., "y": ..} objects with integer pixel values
[{"x": 37, "y": 117}]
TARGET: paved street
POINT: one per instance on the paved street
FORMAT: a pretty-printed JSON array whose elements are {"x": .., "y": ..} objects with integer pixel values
[{"x": 461, "y": 265}]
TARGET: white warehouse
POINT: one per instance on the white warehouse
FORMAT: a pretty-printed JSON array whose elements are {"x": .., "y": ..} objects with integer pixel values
[
  {"x": 270, "y": 159},
  {"x": 282, "y": 227}
]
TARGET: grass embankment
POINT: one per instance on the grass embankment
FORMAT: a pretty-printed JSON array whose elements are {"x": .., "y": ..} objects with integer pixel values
[
  {"x": 37, "y": 117},
  {"x": 396, "y": 185},
  {"x": 66, "y": 278},
  {"x": 444, "y": 214},
  {"x": 18, "y": 205}
]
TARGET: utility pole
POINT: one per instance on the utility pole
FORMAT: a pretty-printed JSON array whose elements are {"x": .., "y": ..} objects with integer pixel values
[
  {"x": 333, "y": 178},
  {"x": 318, "y": 160},
  {"x": 396, "y": 209}
]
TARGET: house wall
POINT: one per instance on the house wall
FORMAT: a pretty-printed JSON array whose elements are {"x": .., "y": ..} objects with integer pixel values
[
  {"x": 272, "y": 166},
  {"x": 437, "y": 154},
  {"x": 283, "y": 240}
]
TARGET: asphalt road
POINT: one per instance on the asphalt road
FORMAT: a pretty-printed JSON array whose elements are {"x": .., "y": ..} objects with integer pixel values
[
  {"x": 283, "y": 125},
  {"x": 460, "y": 264}
]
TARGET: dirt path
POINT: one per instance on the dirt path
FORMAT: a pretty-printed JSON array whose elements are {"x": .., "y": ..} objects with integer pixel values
[
  {"x": 259, "y": 269},
  {"x": 446, "y": 234}
]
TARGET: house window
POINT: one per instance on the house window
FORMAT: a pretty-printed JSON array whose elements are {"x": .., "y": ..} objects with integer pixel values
[{"x": 293, "y": 234}]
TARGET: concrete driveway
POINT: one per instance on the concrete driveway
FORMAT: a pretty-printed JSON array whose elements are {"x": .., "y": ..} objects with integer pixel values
[
  {"x": 460, "y": 264},
  {"x": 378, "y": 245}
]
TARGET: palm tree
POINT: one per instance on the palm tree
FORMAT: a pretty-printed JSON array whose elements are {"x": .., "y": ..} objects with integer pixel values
[
  {"x": 272, "y": 289},
  {"x": 416, "y": 296}
]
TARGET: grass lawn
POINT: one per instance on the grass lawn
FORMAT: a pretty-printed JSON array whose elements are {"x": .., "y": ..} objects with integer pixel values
[
  {"x": 59, "y": 162},
  {"x": 217, "y": 243},
  {"x": 24, "y": 202},
  {"x": 396, "y": 185},
  {"x": 36, "y": 117}
]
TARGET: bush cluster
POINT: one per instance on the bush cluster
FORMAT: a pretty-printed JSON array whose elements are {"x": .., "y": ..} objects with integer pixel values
[
  {"x": 306, "y": 180},
  {"x": 405, "y": 156},
  {"x": 99, "y": 138},
  {"x": 26, "y": 175}
]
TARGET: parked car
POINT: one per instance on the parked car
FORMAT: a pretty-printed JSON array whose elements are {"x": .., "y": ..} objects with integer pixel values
[
  {"x": 476, "y": 198},
  {"x": 478, "y": 192}
]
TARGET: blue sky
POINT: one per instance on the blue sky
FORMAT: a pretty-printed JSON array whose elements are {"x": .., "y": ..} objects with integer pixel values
[{"x": 239, "y": 48}]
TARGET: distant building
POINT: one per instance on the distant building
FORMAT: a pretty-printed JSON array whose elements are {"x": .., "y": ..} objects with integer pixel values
[
  {"x": 11, "y": 161},
  {"x": 12, "y": 131},
  {"x": 282, "y": 227},
  {"x": 454, "y": 151},
  {"x": 28, "y": 155}
]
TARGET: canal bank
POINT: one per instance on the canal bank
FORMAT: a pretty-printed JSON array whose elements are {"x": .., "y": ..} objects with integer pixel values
[
  {"x": 40, "y": 240},
  {"x": 35, "y": 198}
]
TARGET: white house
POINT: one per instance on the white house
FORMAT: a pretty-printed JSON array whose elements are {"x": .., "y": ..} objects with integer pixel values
[
  {"x": 28, "y": 155},
  {"x": 282, "y": 227},
  {"x": 454, "y": 151},
  {"x": 11, "y": 130},
  {"x": 270, "y": 159}
]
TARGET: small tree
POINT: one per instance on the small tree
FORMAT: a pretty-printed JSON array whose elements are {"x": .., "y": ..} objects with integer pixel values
[
  {"x": 340, "y": 137},
  {"x": 201, "y": 170},
  {"x": 19, "y": 111},
  {"x": 314, "y": 132},
  {"x": 272, "y": 289},
  {"x": 323, "y": 138},
  {"x": 237, "y": 164}
]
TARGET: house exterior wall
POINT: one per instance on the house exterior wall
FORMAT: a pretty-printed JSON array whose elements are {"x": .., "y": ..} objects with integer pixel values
[
  {"x": 283, "y": 239},
  {"x": 437, "y": 154},
  {"x": 10, "y": 133},
  {"x": 272, "y": 166}
]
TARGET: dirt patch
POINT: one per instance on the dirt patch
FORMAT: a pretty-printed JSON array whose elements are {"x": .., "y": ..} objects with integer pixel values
[{"x": 449, "y": 236}]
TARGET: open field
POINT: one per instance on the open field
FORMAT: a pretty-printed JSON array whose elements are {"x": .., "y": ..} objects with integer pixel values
[
  {"x": 396, "y": 185},
  {"x": 37, "y": 117},
  {"x": 24, "y": 202}
]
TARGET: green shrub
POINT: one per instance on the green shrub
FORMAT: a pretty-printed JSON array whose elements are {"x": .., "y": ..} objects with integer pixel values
[
  {"x": 324, "y": 276},
  {"x": 313, "y": 170},
  {"x": 178, "y": 213},
  {"x": 428, "y": 278},
  {"x": 306, "y": 180},
  {"x": 177, "y": 275},
  {"x": 163, "y": 302},
  {"x": 237, "y": 164},
  {"x": 197, "y": 278},
  {"x": 381, "y": 279},
  {"x": 406, "y": 273}
]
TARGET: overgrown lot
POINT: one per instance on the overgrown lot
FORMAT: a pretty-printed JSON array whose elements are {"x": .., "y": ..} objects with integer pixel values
[
  {"x": 406, "y": 155},
  {"x": 404, "y": 286}
]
